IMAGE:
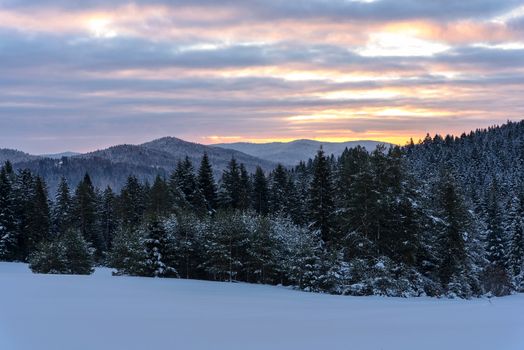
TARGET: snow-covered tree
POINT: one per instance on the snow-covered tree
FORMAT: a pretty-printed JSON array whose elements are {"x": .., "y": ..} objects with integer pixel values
[
  {"x": 61, "y": 214},
  {"x": 321, "y": 203},
  {"x": 496, "y": 278},
  {"x": 159, "y": 251},
  {"x": 206, "y": 183},
  {"x": 128, "y": 255},
  {"x": 514, "y": 229},
  {"x": 69, "y": 253},
  {"x": 7, "y": 218}
]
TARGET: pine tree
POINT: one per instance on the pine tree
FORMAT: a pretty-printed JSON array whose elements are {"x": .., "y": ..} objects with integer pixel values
[
  {"x": 40, "y": 221},
  {"x": 453, "y": 267},
  {"x": 230, "y": 190},
  {"x": 159, "y": 249},
  {"x": 261, "y": 262},
  {"x": 244, "y": 199},
  {"x": 108, "y": 216},
  {"x": 184, "y": 188},
  {"x": 496, "y": 278},
  {"x": 49, "y": 257},
  {"x": 132, "y": 203},
  {"x": 159, "y": 199},
  {"x": 85, "y": 218},
  {"x": 355, "y": 196},
  {"x": 128, "y": 254},
  {"x": 206, "y": 183},
  {"x": 61, "y": 216},
  {"x": 67, "y": 253},
  {"x": 225, "y": 246},
  {"x": 78, "y": 253},
  {"x": 515, "y": 231},
  {"x": 9, "y": 171},
  {"x": 7, "y": 218},
  {"x": 280, "y": 194},
  {"x": 24, "y": 193},
  {"x": 298, "y": 254},
  {"x": 321, "y": 198},
  {"x": 260, "y": 192},
  {"x": 302, "y": 180},
  {"x": 187, "y": 231}
]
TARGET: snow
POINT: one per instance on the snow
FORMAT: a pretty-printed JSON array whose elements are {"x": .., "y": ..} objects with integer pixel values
[{"x": 51, "y": 312}]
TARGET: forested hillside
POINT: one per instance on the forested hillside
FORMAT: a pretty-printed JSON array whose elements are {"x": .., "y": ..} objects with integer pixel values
[
  {"x": 441, "y": 218},
  {"x": 293, "y": 152},
  {"x": 112, "y": 166}
]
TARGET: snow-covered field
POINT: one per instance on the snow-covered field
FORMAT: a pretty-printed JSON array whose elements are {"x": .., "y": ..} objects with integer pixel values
[{"x": 49, "y": 312}]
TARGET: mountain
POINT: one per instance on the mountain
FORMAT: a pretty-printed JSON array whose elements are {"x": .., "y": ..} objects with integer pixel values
[
  {"x": 291, "y": 153},
  {"x": 103, "y": 172},
  {"x": 60, "y": 155},
  {"x": 484, "y": 161},
  {"x": 219, "y": 157},
  {"x": 112, "y": 166},
  {"x": 15, "y": 156}
]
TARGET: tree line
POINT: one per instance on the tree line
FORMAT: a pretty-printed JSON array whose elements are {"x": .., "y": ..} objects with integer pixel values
[{"x": 360, "y": 224}]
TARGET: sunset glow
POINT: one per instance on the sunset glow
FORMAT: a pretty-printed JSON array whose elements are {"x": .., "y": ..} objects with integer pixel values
[{"x": 255, "y": 71}]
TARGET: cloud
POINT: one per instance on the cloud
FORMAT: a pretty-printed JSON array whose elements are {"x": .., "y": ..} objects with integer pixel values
[{"x": 131, "y": 71}]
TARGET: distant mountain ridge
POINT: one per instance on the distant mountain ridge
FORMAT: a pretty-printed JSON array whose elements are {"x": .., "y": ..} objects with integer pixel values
[
  {"x": 291, "y": 153},
  {"x": 15, "y": 156},
  {"x": 111, "y": 166},
  {"x": 59, "y": 155}
]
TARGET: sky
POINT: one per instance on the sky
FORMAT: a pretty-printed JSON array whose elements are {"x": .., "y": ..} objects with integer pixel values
[{"x": 83, "y": 75}]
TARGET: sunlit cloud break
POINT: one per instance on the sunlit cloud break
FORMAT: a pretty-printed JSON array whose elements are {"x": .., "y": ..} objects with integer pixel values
[{"x": 109, "y": 72}]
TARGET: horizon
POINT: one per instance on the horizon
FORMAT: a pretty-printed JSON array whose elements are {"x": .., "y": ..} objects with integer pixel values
[
  {"x": 67, "y": 150},
  {"x": 86, "y": 75}
]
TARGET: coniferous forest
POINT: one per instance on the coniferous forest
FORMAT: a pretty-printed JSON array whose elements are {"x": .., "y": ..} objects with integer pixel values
[{"x": 440, "y": 217}]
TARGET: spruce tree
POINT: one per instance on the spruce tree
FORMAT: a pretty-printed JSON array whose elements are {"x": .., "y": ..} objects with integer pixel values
[
  {"x": 78, "y": 253},
  {"x": 61, "y": 216},
  {"x": 184, "y": 188},
  {"x": 85, "y": 215},
  {"x": 321, "y": 204},
  {"x": 108, "y": 216},
  {"x": 261, "y": 265},
  {"x": 244, "y": 199},
  {"x": 230, "y": 189},
  {"x": 24, "y": 193},
  {"x": 9, "y": 171},
  {"x": 7, "y": 218},
  {"x": 302, "y": 179},
  {"x": 132, "y": 203},
  {"x": 280, "y": 196},
  {"x": 206, "y": 184},
  {"x": 128, "y": 254},
  {"x": 159, "y": 249},
  {"x": 67, "y": 253},
  {"x": 159, "y": 199},
  {"x": 514, "y": 229},
  {"x": 453, "y": 267},
  {"x": 187, "y": 231},
  {"x": 225, "y": 246},
  {"x": 496, "y": 278},
  {"x": 40, "y": 221},
  {"x": 260, "y": 192}
]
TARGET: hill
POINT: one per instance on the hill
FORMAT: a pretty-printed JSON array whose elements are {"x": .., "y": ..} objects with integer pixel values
[
  {"x": 291, "y": 153},
  {"x": 112, "y": 166},
  {"x": 15, "y": 156}
]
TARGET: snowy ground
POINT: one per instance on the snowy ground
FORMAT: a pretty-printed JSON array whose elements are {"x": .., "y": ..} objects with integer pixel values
[{"x": 99, "y": 312}]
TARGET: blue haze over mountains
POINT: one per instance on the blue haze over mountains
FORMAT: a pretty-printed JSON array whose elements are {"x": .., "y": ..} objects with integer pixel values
[{"x": 112, "y": 166}]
